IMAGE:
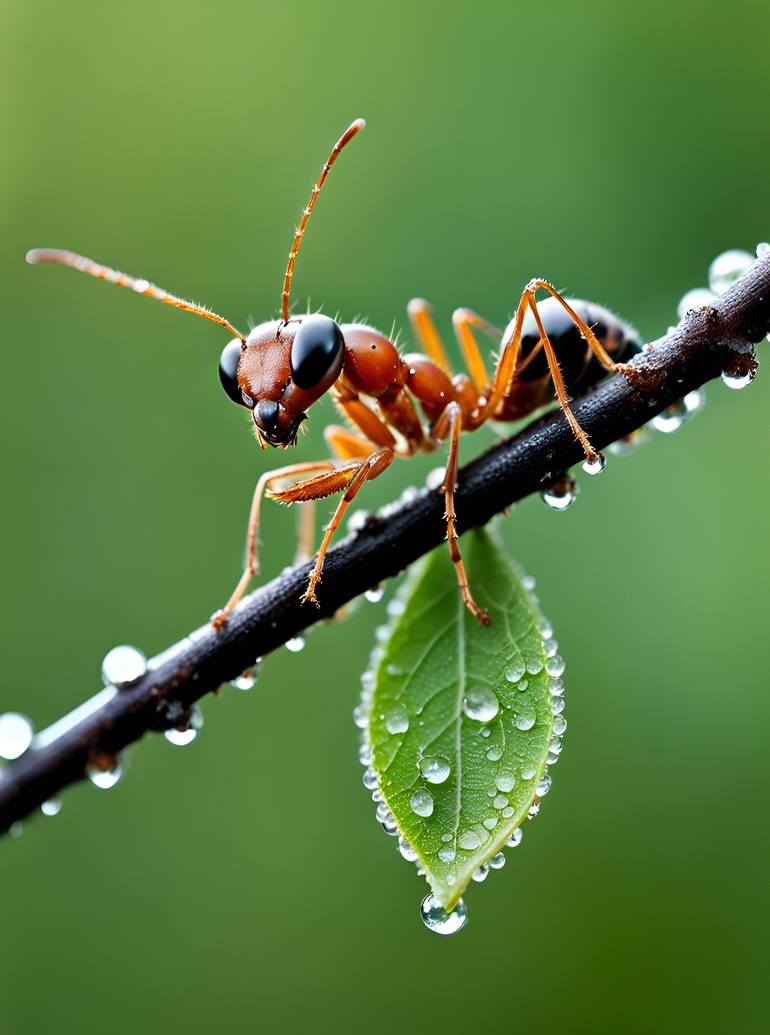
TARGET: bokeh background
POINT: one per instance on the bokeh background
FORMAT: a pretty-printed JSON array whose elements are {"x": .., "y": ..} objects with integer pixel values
[{"x": 242, "y": 883}]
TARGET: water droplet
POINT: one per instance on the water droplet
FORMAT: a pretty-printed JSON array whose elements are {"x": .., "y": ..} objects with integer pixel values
[
  {"x": 763, "y": 250},
  {"x": 727, "y": 268},
  {"x": 486, "y": 732},
  {"x": 375, "y": 594},
  {"x": 550, "y": 647},
  {"x": 382, "y": 813},
  {"x": 505, "y": 780},
  {"x": 694, "y": 401},
  {"x": 481, "y": 705},
  {"x": 247, "y": 680},
  {"x": 534, "y": 666},
  {"x": 469, "y": 840},
  {"x": 557, "y": 705},
  {"x": 507, "y": 812},
  {"x": 595, "y": 465},
  {"x": 370, "y": 779},
  {"x": 447, "y": 838},
  {"x": 397, "y": 720},
  {"x": 421, "y": 802},
  {"x": 390, "y": 826},
  {"x": 435, "y": 478},
  {"x": 52, "y": 807},
  {"x": 435, "y": 769},
  {"x": 447, "y": 853},
  {"x": 490, "y": 823},
  {"x": 556, "y": 686},
  {"x": 406, "y": 850},
  {"x": 560, "y": 494},
  {"x": 500, "y": 801},
  {"x": 123, "y": 666},
  {"x": 559, "y": 725},
  {"x": 737, "y": 381},
  {"x": 534, "y": 808},
  {"x": 555, "y": 746},
  {"x": 395, "y": 607},
  {"x": 186, "y": 732},
  {"x": 104, "y": 779},
  {"x": 497, "y": 861},
  {"x": 695, "y": 299},
  {"x": 481, "y": 874},
  {"x": 361, "y": 716},
  {"x": 295, "y": 644},
  {"x": 436, "y": 918},
  {"x": 395, "y": 670},
  {"x": 16, "y": 734},
  {"x": 671, "y": 419},
  {"x": 516, "y": 838},
  {"x": 516, "y": 670},
  {"x": 525, "y": 716},
  {"x": 544, "y": 785},
  {"x": 555, "y": 666},
  {"x": 495, "y": 754},
  {"x": 528, "y": 772}
]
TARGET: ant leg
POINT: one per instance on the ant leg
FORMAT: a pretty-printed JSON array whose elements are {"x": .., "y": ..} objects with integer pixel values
[
  {"x": 464, "y": 321},
  {"x": 558, "y": 382},
  {"x": 450, "y": 423},
  {"x": 590, "y": 338},
  {"x": 305, "y": 533},
  {"x": 419, "y": 312},
  {"x": 252, "y": 558},
  {"x": 368, "y": 469}
]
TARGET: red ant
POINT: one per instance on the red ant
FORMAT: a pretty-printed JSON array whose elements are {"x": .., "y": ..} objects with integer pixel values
[{"x": 283, "y": 366}]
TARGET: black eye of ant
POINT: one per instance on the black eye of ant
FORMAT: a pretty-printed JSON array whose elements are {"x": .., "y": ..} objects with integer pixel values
[
  {"x": 316, "y": 352},
  {"x": 228, "y": 370}
]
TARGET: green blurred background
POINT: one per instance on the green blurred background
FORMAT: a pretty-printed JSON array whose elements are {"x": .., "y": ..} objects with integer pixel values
[{"x": 242, "y": 883}]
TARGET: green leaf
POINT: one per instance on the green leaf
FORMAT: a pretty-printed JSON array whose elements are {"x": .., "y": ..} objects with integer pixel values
[{"x": 459, "y": 718}]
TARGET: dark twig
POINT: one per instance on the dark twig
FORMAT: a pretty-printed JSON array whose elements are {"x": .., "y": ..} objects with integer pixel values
[{"x": 707, "y": 342}]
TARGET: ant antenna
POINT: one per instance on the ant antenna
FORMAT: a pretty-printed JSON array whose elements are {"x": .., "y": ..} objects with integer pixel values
[
  {"x": 142, "y": 287},
  {"x": 346, "y": 137}
]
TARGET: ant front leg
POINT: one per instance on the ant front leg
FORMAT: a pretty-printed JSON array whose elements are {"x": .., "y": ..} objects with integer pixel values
[{"x": 450, "y": 424}]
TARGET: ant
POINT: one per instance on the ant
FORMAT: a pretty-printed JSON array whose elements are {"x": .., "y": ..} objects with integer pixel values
[{"x": 283, "y": 366}]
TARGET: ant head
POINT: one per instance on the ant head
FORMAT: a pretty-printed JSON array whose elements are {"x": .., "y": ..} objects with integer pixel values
[{"x": 280, "y": 371}]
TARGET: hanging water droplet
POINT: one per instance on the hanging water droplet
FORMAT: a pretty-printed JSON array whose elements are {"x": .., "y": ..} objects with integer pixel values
[
  {"x": 763, "y": 250},
  {"x": 395, "y": 607},
  {"x": 505, "y": 780},
  {"x": 727, "y": 268},
  {"x": 16, "y": 734},
  {"x": 397, "y": 720},
  {"x": 382, "y": 813},
  {"x": 555, "y": 666},
  {"x": 390, "y": 826},
  {"x": 375, "y": 594},
  {"x": 361, "y": 716},
  {"x": 516, "y": 838},
  {"x": 559, "y": 725},
  {"x": 561, "y": 493},
  {"x": 497, "y": 861},
  {"x": 421, "y": 803},
  {"x": 295, "y": 644},
  {"x": 370, "y": 779},
  {"x": 544, "y": 785},
  {"x": 469, "y": 840},
  {"x": 556, "y": 686},
  {"x": 123, "y": 666},
  {"x": 481, "y": 705},
  {"x": 365, "y": 754},
  {"x": 695, "y": 299},
  {"x": 557, "y": 705},
  {"x": 555, "y": 746},
  {"x": 104, "y": 779},
  {"x": 550, "y": 647},
  {"x": 247, "y": 680},
  {"x": 435, "y": 769},
  {"x": 52, "y": 807},
  {"x": 406, "y": 850},
  {"x": 671, "y": 419},
  {"x": 480, "y": 874},
  {"x": 186, "y": 732},
  {"x": 595, "y": 465},
  {"x": 436, "y": 918},
  {"x": 694, "y": 401},
  {"x": 447, "y": 853},
  {"x": 534, "y": 808},
  {"x": 737, "y": 381}
]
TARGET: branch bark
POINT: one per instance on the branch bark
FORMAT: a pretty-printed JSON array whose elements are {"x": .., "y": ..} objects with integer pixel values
[{"x": 707, "y": 342}]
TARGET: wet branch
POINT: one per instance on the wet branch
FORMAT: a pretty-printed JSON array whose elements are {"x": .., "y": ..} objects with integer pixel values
[{"x": 707, "y": 342}]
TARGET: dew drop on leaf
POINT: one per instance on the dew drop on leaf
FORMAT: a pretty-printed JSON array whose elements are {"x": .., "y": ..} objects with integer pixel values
[{"x": 481, "y": 705}]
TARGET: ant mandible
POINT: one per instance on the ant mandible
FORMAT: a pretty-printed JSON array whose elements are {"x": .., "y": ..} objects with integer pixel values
[{"x": 284, "y": 366}]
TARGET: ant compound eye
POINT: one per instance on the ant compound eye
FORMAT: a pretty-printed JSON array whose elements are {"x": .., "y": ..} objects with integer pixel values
[
  {"x": 228, "y": 370},
  {"x": 316, "y": 353}
]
